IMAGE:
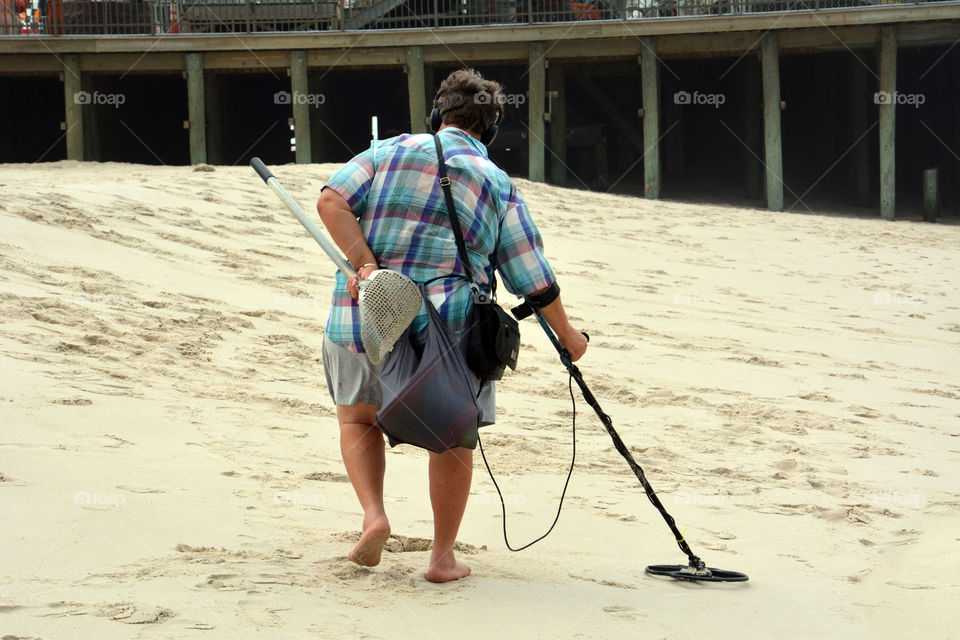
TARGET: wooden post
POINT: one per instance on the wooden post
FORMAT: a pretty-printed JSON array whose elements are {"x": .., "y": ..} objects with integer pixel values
[
  {"x": 72, "y": 86},
  {"x": 931, "y": 194},
  {"x": 536, "y": 99},
  {"x": 416, "y": 90},
  {"x": 860, "y": 156},
  {"x": 886, "y": 104},
  {"x": 773, "y": 151},
  {"x": 650, "y": 79},
  {"x": 212, "y": 98},
  {"x": 300, "y": 98},
  {"x": 196, "y": 111},
  {"x": 558, "y": 125},
  {"x": 752, "y": 128}
]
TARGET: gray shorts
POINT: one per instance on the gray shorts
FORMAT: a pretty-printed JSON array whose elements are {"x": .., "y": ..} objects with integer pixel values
[{"x": 352, "y": 379}]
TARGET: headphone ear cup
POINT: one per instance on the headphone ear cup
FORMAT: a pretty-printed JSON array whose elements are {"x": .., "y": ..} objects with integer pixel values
[
  {"x": 436, "y": 119},
  {"x": 491, "y": 132}
]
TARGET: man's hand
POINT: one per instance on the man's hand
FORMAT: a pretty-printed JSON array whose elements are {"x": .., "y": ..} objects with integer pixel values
[
  {"x": 354, "y": 281},
  {"x": 570, "y": 339},
  {"x": 574, "y": 342}
]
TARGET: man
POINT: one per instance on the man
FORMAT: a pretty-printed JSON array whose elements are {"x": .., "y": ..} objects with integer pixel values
[{"x": 385, "y": 208}]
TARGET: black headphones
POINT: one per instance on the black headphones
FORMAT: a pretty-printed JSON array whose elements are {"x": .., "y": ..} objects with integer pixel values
[{"x": 436, "y": 121}]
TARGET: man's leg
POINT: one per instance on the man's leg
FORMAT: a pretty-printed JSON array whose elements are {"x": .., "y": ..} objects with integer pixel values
[
  {"x": 361, "y": 445},
  {"x": 450, "y": 476}
]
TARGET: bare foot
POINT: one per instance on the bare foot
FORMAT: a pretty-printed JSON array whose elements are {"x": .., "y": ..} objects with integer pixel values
[
  {"x": 446, "y": 569},
  {"x": 368, "y": 550}
]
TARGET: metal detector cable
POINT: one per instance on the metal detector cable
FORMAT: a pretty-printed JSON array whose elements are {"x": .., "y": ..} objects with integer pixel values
[{"x": 573, "y": 459}]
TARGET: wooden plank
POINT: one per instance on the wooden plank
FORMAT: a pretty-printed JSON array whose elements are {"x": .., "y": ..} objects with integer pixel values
[
  {"x": 888, "y": 122},
  {"x": 364, "y": 57},
  {"x": 416, "y": 91},
  {"x": 275, "y": 62},
  {"x": 132, "y": 64},
  {"x": 650, "y": 77},
  {"x": 536, "y": 105},
  {"x": 611, "y": 112},
  {"x": 12, "y": 64},
  {"x": 196, "y": 111},
  {"x": 72, "y": 86},
  {"x": 517, "y": 52},
  {"x": 299, "y": 97},
  {"x": 772, "y": 141}
]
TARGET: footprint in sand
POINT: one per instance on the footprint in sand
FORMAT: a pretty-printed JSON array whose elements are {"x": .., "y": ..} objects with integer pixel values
[{"x": 620, "y": 611}]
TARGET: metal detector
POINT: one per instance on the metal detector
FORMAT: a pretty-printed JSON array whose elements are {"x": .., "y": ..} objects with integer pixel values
[{"x": 696, "y": 570}]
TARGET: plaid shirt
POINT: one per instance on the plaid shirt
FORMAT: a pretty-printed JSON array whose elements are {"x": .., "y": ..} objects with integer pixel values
[{"x": 394, "y": 190}]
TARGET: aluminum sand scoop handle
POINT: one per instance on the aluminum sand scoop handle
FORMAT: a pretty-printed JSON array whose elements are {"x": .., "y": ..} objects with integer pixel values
[
  {"x": 328, "y": 247},
  {"x": 696, "y": 570},
  {"x": 389, "y": 300}
]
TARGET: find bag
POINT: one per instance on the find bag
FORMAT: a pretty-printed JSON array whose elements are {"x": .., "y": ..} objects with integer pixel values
[
  {"x": 428, "y": 396},
  {"x": 493, "y": 339}
]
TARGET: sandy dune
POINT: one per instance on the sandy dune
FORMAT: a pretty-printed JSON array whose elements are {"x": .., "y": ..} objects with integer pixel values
[{"x": 169, "y": 456}]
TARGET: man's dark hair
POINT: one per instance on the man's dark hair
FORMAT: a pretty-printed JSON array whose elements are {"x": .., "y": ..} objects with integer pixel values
[{"x": 468, "y": 101}]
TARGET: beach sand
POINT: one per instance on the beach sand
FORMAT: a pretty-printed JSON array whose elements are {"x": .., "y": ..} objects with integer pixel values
[{"x": 170, "y": 468}]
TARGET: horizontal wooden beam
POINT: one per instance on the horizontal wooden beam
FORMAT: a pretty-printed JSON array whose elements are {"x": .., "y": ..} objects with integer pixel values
[
  {"x": 371, "y": 39},
  {"x": 373, "y": 54}
]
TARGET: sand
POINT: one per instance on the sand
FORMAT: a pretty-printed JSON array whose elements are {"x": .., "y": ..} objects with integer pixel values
[{"x": 170, "y": 462}]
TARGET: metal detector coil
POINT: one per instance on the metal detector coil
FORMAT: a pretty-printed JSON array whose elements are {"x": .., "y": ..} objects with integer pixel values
[
  {"x": 697, "y": 569},
  {"x": 693, "y": 574}
]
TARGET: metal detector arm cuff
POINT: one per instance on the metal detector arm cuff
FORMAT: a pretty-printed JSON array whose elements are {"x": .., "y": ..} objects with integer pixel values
[{"x": 536, "y": 302}]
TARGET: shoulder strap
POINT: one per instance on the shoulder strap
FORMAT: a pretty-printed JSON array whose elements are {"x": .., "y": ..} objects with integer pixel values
[{"x": 452, "y": 208}]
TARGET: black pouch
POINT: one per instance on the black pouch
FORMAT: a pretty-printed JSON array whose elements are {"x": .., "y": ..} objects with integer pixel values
[{"x": 493, "y": 343}]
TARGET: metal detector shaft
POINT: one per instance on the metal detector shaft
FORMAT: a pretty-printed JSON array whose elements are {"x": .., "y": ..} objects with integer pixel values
[
  {"x": 695, "y": 561},
  {"x": 328, "y": 247}
]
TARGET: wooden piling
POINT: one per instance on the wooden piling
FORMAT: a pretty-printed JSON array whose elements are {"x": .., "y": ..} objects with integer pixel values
[
  {"x": 650, "y": 79},
  {"x": 416, "y": 90},
  {"x": 301, "y": 100},
  {"x": 931, "y": 194},
  {"x": 536, "y": 103},
  {"x": 72, "y": 86},
  {"x": 888, "y": 121},
  {"x": 772, "y": 141},
  {"x": 196, "y": 111}
]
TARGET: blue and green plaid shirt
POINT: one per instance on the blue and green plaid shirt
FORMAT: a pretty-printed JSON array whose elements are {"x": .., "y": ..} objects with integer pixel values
[{"x": 394, "y": 190}]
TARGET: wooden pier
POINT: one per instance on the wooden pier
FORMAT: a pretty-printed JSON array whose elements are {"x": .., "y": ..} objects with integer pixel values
[{"x": 623, "y": 71}]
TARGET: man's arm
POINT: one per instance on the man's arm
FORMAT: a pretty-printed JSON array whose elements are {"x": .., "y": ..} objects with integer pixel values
[
  {"x": 343, "y": 226},
  {"x": 570, "y": 339}
]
